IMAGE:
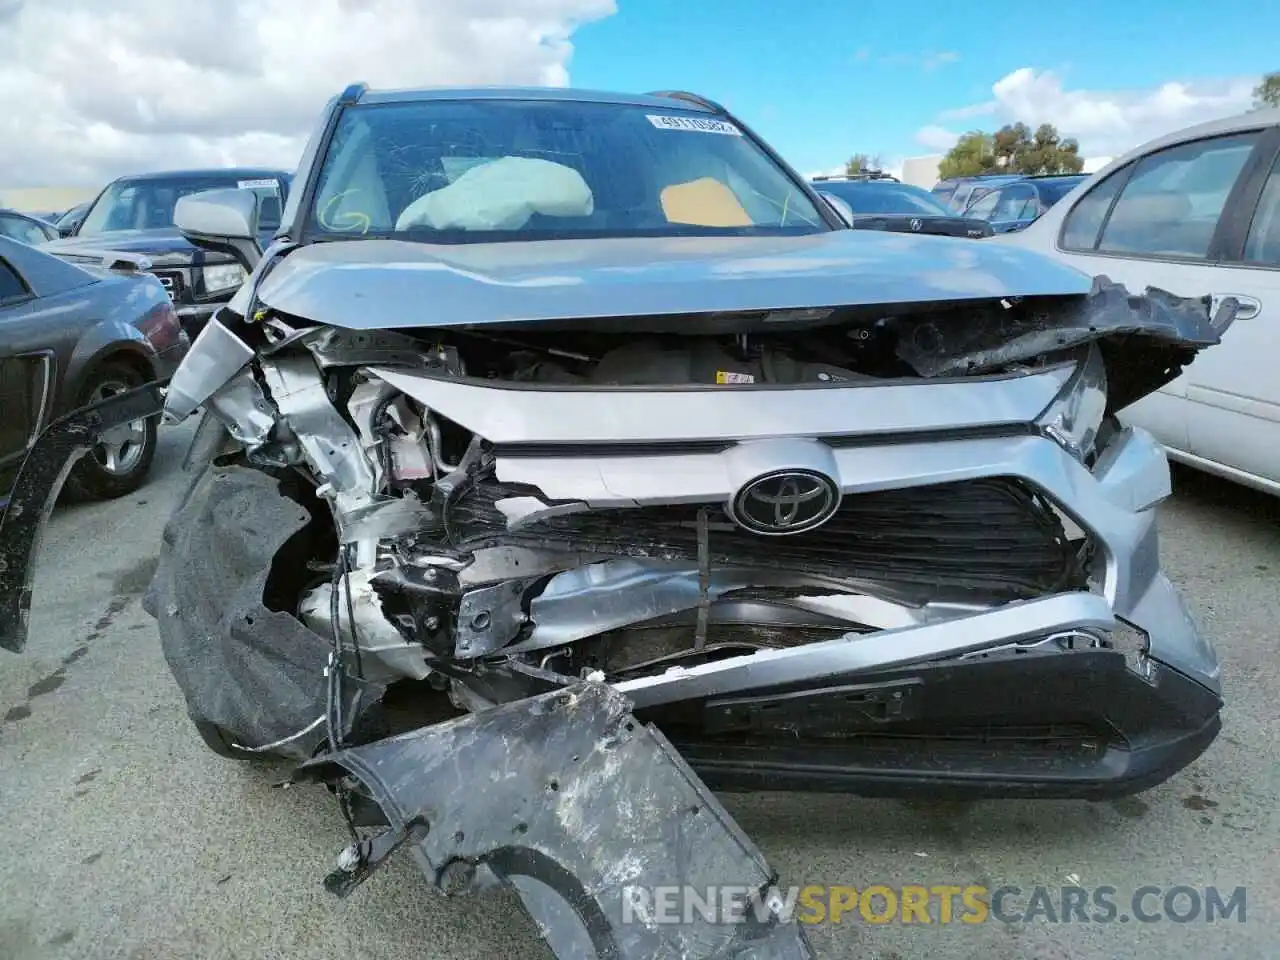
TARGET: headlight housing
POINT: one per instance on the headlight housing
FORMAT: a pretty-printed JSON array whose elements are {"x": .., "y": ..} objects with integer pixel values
[
  {"x": 222, "y": 278},
  {"x": 1076, "y": 414}
]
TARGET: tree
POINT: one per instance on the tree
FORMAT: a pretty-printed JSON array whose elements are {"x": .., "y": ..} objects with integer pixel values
[
  {"x": 1048, "y": 153},
  {"x": 1012, "y": 149},
  {"x": 862, "y": 161},
  {"x": 973, "y": 154},
  {"x": 1267, "y": 93}
]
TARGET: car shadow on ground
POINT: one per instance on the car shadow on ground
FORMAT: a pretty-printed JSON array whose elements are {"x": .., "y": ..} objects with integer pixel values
[{"x": 1200, "y": 489}]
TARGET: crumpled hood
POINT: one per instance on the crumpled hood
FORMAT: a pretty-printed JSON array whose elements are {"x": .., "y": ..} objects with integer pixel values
[{"x": 385, "y": 284}]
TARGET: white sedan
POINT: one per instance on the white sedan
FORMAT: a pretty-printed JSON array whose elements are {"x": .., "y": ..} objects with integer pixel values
[{"x": 1195, "y": 213}]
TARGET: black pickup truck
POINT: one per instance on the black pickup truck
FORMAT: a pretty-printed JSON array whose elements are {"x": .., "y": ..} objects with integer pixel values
[{"x": 134, "y": 215}]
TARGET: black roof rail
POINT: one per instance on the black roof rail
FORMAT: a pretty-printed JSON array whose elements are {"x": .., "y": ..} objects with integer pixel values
[
  {"x": 353, "y": 93},
  {"x": 691, "y": 98}
]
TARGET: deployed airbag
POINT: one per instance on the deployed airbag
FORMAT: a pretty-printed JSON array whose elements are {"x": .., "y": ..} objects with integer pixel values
[{"x": 502, "y": 195}]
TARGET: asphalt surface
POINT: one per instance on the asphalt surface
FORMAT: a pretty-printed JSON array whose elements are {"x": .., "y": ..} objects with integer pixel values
[{"x": 121, "y": 836}]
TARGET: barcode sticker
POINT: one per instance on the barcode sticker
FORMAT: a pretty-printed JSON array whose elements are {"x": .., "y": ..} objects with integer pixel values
[{"x": 694, "y": 124}]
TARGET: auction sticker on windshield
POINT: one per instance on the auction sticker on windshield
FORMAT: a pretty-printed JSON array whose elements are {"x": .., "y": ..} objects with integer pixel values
[
  {"x": 256, "y": 184},
  {"x": 696, "y": 124}
]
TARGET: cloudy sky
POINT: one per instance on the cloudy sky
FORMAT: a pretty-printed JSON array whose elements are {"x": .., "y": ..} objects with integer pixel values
[{"x": 94, "y": 89}]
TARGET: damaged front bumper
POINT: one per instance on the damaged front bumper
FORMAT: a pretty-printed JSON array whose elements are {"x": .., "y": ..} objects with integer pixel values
[
  {"x": 592, "y": 817},
  {"x": 1086, "y": 680},
  {"x": 37, "y": 486}
]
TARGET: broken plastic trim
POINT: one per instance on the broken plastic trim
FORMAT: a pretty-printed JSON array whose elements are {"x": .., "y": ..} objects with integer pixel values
[
  {"x": 1150, "y": 337},
  {"x": 581, "y": 807},
  {"x": 35, "y": 491}
]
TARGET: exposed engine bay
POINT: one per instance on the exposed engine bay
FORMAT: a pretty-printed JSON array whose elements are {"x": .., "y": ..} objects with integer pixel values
[{"x": 414, "y": 542}]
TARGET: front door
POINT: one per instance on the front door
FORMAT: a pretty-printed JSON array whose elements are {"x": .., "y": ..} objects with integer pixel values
[{"x": 1233, "y": 390}]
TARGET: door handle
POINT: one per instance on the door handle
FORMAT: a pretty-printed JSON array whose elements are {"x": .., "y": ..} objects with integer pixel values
[{"x": 1246, "y": 307}]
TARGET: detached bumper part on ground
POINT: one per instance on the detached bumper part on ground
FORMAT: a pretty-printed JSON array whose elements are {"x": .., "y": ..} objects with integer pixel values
[{"x": 585, "y": 812}]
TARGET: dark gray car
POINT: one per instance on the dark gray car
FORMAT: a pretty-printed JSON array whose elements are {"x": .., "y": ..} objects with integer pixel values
[{"x": 73, "y": 335}]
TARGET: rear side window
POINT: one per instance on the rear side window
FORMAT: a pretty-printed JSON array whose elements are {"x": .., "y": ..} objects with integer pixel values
[
  {"x": 1171, "y": 204},
  {"x": 11, "y": 286}
]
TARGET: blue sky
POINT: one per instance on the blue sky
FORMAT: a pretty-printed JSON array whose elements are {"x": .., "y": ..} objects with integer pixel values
[{"x": 823, "y": 79}]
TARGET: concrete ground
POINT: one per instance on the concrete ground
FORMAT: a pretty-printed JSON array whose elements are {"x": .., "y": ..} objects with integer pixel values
[{"x": 121, "y": 836}]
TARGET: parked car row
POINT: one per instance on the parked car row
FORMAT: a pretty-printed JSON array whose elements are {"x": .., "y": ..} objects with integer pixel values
[{"x": 886, "y": 204}]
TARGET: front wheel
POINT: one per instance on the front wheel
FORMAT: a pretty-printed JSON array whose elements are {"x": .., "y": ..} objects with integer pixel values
[
  {"x": 221, "y": 743},
  {"x": 119, "y": 464}
]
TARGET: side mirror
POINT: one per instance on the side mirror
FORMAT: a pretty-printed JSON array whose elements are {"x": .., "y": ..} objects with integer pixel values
[
  {"x": 225, "y": 221},
  {"x": 841, "y": 207}
]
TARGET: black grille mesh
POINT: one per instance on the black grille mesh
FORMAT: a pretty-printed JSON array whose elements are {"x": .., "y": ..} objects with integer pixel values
[{"x": 993, "y": 537}]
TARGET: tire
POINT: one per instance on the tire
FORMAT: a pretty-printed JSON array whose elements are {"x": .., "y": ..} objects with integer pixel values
[
  {"x": 217, "y": 740},
  {"x": 120, "y": 466}
]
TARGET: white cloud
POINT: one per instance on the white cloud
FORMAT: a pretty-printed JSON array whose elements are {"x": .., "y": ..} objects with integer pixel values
[
  {"x": 1104, "y": 122},
  {"x": 94, "y": 90}
]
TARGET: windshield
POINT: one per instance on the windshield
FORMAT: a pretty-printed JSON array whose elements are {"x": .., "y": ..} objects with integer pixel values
[
  {"x": 71, "y": 216},
  {"x": 879, "y": 197},
  {"x": 1051, "y": 191},
  {"x": 458, "y": 171},
  {"x": 147, "y": 203}
]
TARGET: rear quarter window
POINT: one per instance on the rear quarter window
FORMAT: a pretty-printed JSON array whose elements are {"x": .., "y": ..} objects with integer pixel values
[
  {"x": 1084, "y": 221},
  {"x": 12, "y": 287}
]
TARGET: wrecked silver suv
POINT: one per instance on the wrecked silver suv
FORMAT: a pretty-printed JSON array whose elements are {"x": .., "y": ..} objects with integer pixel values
[{"x": 563, "y": 457}]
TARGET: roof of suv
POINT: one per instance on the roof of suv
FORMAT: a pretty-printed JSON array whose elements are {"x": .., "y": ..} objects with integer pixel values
[
  {"x": 683, "y": 102},
  {"x": 208, "y": 172}
]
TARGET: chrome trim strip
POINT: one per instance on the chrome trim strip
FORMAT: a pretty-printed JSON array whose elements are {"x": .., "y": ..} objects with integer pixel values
[{"x": 877, "y": 651}]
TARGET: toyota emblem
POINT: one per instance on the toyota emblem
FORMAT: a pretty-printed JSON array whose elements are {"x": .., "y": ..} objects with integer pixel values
[
  {"x": 916, "y": 224},
  {"x": 785, "y": 502}
]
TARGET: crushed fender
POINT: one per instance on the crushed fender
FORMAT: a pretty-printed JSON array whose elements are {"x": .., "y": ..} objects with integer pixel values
[
  {"x": 578, "y": 807},
  {"x": 35, "y": 490}
]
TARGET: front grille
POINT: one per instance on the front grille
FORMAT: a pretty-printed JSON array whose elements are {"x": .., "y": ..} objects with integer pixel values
[
  {"x": 172, "y": 283},
  {"x": 991, "y": 537}
]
